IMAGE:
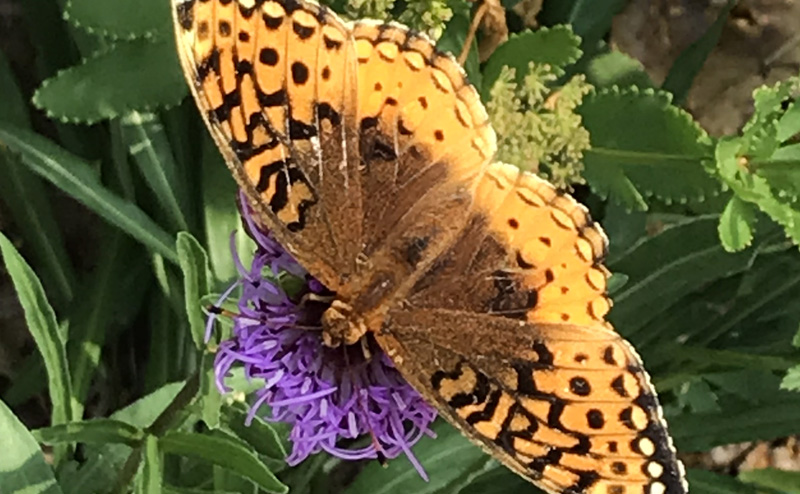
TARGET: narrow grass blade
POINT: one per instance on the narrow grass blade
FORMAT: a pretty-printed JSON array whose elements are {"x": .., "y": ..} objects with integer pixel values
[
  {"x": 74, "y": 177},
  {"x": 147, "y": 143}
]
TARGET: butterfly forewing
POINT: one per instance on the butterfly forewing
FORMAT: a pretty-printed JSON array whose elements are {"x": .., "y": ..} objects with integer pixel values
[
  {"x": 369, "y": 156},
  {"x": 276, "y": 84}
]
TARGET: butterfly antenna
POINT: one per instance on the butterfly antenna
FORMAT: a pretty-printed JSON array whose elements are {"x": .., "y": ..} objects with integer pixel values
[
  {"x": 220, "y": 311},
  {"x": 379, "y": 454}
]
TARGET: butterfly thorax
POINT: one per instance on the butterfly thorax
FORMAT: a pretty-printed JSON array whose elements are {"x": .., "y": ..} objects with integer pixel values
[{"x": 340, "y": 325}]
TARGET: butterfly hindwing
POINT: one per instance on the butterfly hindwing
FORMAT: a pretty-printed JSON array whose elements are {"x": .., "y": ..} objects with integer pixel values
[{"x": 568, "y": 407}]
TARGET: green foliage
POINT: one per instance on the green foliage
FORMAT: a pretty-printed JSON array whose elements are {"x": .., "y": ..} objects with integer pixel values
[
  {"x": 112, "y": 83},
  {"x": 703, "y": 247},
  {"x": 663, "y": 158},
  {"x": 536, "y": 127},
  {"x": 761, "y": 166}
]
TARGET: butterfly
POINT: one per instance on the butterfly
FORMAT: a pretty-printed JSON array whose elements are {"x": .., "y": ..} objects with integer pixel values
[{"x": 370, "y": 157}]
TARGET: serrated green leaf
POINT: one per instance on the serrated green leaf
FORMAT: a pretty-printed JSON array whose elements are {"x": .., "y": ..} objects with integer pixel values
[
  {"x": 787, "y": 482},
  {"x": 225, "y": 451},
  {"x": 782, "y": 171},
  {"x": 753, "y": 188},
  {"x": 150, "y": 480},
  {"x": 138, "y": 75},
  {"x": 691, "y": 60},
  {"x": 617, "y": 69},
  {"x": 446, "y": 458},
  {"x": 736, "y": 225},
  {"x": 95, "y": 431},
  {"x": 196, "y": 283},
  {"x": 23, "y": 468},
  {"x": 663, "y": 157},
  {"x": 556, "y": 46},
  {"x": 121, "y": 18},
  {"x": 74, "y": 176},
  {"x": 789, "y": 123},
  {"x": 42, "y": 324},
  {"x": 791, "y": 381}
]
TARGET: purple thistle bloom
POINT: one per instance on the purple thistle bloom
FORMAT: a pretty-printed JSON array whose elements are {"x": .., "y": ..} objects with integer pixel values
[{"x": 325, "y": 394}]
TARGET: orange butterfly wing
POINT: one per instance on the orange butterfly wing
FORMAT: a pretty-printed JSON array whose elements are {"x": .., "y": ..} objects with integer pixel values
[
  {"x": 366, "y": 152},
  {"x": 506, "y": 333}
]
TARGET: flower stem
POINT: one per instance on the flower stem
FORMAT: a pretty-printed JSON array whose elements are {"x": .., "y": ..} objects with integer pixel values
[{"x": 159, "y": 426}]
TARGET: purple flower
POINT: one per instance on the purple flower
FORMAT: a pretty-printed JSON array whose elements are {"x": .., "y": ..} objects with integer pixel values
[{"x": 325, "y": 394}]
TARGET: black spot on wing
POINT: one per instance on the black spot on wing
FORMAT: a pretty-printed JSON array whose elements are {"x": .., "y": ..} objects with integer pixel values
[{"x": 185, "y": 14}]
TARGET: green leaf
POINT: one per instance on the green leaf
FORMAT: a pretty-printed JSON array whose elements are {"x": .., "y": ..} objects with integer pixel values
[
  {"x": 99, "y": 472},
  {"x": 617, "y": 69},
  {"x": 43, "y": 327},
  {"x": 23, "y": 468},
  {"x": 138, "y": 75},
  {"x": 96, "y": 431},
  {"x": 74, "y": 176},
  {"x": 445, "y": 459},
  {"x": 665, "y": 267},
  {"x": 27, "y": 201},
  {"x": 147, "y": 143},
  {"x": 500, "y": 480},
  {"x": 737, "y": 423},
  {"x": 784, "y": 481},
  {"x": 121, "y": 18},
  {"x": 591, "y": 19},
  {"x": 225, "y": 451},
  {"x": 782, "y": 172},
  {"x": 663, "y": 158},
  {"x": 753, "y": 188},
  {"x": 556, "y": 46},
  {"x": 691, "y": 60},
  {"x": 142, "y": 412},
  {"x": 196, "y": 283},
  {"x": 260, "y": 435},
  {"x": 150, "y": 480},
  {"x": 209, "y": 396},
  {"x": 791, "y": 381},
  {"x": 121, "y": 268},
  {"x": 705, "y": 482},
  {"x": 789, "y": 123},
  {"x": 736, "y": 225}
]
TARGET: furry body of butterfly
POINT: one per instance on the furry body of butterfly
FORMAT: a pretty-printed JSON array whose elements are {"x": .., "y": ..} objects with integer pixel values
[{"x": 369, "y": 156}]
